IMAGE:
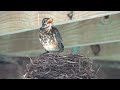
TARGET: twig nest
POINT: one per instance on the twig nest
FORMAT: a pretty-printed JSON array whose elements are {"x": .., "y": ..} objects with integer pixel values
[{"x": 54, "y": 66}]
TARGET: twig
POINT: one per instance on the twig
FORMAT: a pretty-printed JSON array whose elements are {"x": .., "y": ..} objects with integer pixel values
[
  {"x": 70, "y": 61},
  {"x": 31, "y": 60},
  {"x": 23, "y": 77},
  {"x": 48, "y": 71},
  {"x": 98, "y": 69}
]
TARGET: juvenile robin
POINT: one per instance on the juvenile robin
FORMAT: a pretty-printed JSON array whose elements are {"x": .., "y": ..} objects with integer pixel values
[{"x": 50, "y": 37}]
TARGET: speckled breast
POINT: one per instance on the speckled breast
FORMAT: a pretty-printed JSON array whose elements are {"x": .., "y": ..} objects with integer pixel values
[{"x": 49, "y": 42}]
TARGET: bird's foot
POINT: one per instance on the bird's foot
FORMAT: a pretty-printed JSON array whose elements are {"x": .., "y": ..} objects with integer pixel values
[
  {"x": 45, "y": 53},
  {"x": 55, "y": 53}
]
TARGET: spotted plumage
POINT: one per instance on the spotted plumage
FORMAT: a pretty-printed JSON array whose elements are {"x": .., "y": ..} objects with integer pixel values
[{"x": 50, "y": 37}]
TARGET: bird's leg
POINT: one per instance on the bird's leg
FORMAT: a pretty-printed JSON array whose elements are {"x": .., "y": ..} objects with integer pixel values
[
  {"x": 45, "y": 52},
  {"x": 55, "y": 53}
]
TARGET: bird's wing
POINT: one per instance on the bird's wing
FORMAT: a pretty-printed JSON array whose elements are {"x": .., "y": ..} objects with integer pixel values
[
  {"x": 41, "y": 29},
  {"x": 57, "y": 34}
]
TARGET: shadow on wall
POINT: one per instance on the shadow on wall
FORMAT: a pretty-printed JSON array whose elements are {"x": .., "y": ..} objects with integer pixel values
[
  {"x": 12, "y": 67},
  {"x": 109, "y": 69}
]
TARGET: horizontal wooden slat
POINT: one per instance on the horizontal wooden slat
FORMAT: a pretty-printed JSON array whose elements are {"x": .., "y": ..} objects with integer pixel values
[
  {"x": 75, "y": 33},
  {"x": 12, "y": 22},
  {"x": 108, "y": 52}
]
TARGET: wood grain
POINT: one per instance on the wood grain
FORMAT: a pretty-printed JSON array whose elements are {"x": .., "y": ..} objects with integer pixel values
[
  {"x": 12, "y": 22},
  {"x": 108, "y": 52},
  {"x": 77, "y": 33}
]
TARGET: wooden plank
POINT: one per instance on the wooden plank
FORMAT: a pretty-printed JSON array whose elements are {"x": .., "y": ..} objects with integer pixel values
[
  {"x": 91, "y": 31},
  {"x": 80, "y": 33},
  {"x": 12, "y": 22},
  {"x": 19, "y": 21},
  {"x": 108, "y": 52}
]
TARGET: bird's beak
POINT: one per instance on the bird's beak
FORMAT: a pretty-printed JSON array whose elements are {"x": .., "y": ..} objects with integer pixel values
[{"x": 50, "y": 20}]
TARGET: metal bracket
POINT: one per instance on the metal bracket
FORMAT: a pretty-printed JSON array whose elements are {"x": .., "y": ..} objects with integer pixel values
[
  {"x": 95, "y": 49},
  {"x": 106, "y": 20},
  {"x": 70, "y": 15}
]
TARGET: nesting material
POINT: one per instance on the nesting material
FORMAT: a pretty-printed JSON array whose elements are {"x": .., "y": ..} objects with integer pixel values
[{"x": 55, "y": 66}]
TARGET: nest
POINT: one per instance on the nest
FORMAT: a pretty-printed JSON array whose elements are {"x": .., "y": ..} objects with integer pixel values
[{"x": 54, "y": 66}]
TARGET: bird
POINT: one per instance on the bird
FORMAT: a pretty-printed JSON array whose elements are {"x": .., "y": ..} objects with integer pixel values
[{"x": 50, "y": 37}]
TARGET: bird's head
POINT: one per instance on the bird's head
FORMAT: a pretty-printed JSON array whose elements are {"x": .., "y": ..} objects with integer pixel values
[{"x": 47, "y": 23}]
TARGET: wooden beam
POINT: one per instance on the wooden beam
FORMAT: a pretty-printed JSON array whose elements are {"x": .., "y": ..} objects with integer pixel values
[
  {"x": 12, "y": 22},
  {"x": 108, "y": 52},
  {"x": 74, "y": 33}
]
